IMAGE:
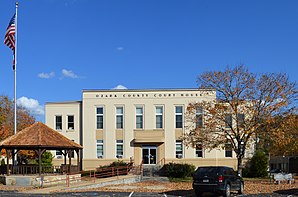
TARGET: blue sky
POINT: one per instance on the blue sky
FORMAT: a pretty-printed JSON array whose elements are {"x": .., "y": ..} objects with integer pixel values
[{"x": 65, "y": 46}]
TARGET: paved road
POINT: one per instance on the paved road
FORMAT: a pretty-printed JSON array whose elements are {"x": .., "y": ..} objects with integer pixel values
[{"x": 124, "y": 194}]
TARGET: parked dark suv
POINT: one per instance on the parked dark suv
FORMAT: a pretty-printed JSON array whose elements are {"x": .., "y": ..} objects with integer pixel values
[{"x": 219, "y": 179}]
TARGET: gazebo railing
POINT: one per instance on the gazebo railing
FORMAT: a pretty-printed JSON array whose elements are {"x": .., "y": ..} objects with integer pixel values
[{"x": 34, "y": 169}]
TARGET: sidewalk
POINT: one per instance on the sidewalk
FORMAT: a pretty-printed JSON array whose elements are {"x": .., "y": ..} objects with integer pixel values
[{"x": 86, "y": 184}]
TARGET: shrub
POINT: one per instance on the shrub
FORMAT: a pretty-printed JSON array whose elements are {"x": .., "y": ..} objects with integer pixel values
[
  {"x": 176, "y": 170},
  {"x": 257, "y": 166}
]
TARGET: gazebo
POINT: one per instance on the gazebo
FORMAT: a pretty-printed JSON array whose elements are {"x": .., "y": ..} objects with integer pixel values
[{"x": 39, "y": 137}]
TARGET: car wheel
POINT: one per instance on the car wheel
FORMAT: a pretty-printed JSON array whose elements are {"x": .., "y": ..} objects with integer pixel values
[
  {"x": 227, "y": 192},
  {"x": 198, "y": 193},
  {"x": 241, "y": 189}
]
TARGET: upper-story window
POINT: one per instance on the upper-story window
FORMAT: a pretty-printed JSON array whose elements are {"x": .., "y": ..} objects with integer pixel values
[
  {"x": 240, "y": 118},
  {"x": 199, "y": 117},
  {"x": 228, "y": 120},
  {"x": 139, "y": 118},
  {"x": 70, "y": 122},
  {"x": 119, "y": 117},
  {"x": 159, "y": 117},
  {"x": 179, "y": 116},
  {"x": 58, "y": 122},
  {"x": 99, "y": 117}
]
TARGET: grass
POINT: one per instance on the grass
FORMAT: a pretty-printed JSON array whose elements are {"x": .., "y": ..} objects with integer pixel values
[{"x": 186, "y": 179}]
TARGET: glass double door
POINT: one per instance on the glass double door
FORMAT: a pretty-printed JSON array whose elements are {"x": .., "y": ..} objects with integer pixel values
[{"x": 149, "y": 154}]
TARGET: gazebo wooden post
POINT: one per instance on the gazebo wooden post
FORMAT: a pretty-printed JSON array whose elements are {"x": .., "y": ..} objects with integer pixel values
[
  {"x": 39, "y": 161},
  {"x": 13, "y": 157},
  {"x": 7, "y": 161},
  {"x": 65, "y": 155},
  {"x": 69, "y": 160}
]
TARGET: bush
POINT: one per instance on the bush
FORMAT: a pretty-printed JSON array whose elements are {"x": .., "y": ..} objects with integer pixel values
[
  {"x": 176, "y": 170},
  {"x": 257, "y": 166}
]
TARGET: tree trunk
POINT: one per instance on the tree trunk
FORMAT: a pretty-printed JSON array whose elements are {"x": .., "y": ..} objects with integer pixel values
[{"x": 239, "y": 165}]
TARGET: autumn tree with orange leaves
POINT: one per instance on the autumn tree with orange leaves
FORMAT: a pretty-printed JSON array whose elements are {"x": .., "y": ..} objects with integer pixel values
[
  {"x": 280, "y": 136},
  {"x": 24, "y": 119},
  {"x": 244, "y": 103}
]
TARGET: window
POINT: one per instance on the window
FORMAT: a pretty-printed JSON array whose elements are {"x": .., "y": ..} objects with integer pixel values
[
  {"x": 99, "y": 117},
  {"x": 179, "y": 150},
  {"x": 139, "y": 117},
  {"x": 159, "y": 117},
  {"x": 199, "y": 150},
  {"x": 228, "y": 120},
  {"x": 119, "y": 117},
  {"x": 70, "y": 122},
  {"x": 199, "y": 117},
  {"x": 228, "y": 150},
  {"x": 240, "y": 118},
  {"x": 58, "y": 122},
  {"x": 119, "y": 148},
  {"x": 58, "y": 154},
  {"x": 99, "y": 149},
  {"x": 179, "y": 116}
]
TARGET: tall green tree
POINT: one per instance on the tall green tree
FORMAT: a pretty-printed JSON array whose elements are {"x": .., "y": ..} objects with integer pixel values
[{"x": 244, "y": 103}]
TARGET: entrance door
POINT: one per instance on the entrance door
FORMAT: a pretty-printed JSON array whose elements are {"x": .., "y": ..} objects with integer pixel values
[{"x": 149, "y": 154}]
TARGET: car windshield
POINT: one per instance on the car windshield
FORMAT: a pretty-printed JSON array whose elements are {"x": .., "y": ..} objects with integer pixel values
[{"x": 207, "y": 170}]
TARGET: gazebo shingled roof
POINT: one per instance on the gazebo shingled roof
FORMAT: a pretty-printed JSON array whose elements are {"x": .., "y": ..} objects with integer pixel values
[{"x": 39, "y": 135}]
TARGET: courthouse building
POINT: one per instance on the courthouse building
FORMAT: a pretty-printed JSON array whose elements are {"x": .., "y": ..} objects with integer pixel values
[{"x": 138, "y": 125}]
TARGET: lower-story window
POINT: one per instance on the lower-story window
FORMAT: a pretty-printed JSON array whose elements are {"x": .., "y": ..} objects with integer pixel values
[
  {"x": 58, "y": 154},
  {"x": 119, "y": 149},
  {"x": 199, "y": 150},
  {"x": 179, "y": 150},
  {"x": 228, "y": 150},
  {"x": 99, "y": 149}
]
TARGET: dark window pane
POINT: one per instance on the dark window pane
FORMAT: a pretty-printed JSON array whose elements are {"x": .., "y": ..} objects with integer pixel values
[{"x": 228, "y": 120}]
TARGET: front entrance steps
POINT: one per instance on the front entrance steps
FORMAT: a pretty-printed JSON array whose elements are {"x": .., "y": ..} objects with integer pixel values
[{"x": 152, "y": 170}]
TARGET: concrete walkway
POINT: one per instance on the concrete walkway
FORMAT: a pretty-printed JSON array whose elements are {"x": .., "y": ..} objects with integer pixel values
[{"x": 126, "y": 179}]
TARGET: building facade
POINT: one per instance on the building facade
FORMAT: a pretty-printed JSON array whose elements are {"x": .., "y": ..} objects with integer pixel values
[{"x": 138, "y": 125}]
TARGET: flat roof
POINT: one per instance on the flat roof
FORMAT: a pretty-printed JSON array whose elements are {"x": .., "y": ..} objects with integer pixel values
[
  {"x": 147, "y": 90},
  {"x": 65, "y": 102}
]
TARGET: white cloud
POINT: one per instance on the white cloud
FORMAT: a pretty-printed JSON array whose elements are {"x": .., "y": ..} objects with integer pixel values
[
  {"x": 46, "y": 75},
  {"x": 120, "y": 48},
  {"x": 31, "y": 104},
  {"x": 69, "y": 73},
  {"x": 120, "y": 87}
]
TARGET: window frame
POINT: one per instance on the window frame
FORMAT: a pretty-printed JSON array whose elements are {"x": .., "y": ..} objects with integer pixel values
[
  {"x": 199, "y": 116},
  {"x": 139, "y": 115},
  {"x": 99, "y": 143},
  {"x": 98, "y": 122},
  {"x": 179, "y": 153},
  {"x": 119, "y": 143},
  {"x": 178, "y": 114},
  {"x": 68, "y": 122},
  {"x": 228, "y": 121},
  {"x": 159, "y": 115},
  {"x": 229, "y": 151},
  {"x": 56, "y": 116},
  {"x": 201, "y": 150},
  {"x": 121, "y": 115}
]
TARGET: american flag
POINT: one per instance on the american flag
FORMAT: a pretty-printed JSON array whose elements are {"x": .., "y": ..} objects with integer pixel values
[{"x": 9, "y": 38}]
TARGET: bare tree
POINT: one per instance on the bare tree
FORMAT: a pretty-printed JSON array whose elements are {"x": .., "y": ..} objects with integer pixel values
[{"x": 244, "y": 103}]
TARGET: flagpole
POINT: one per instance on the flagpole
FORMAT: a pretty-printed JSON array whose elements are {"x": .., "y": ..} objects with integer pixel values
[{"x": 15, "y": 70}]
